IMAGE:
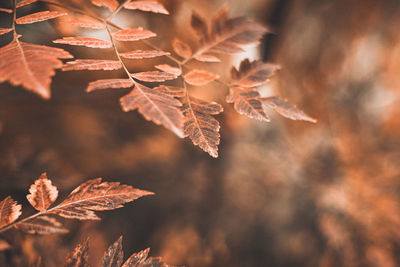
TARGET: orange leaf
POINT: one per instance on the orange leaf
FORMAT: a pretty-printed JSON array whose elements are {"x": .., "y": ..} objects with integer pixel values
[
  {"x": 92, "y": 64},
  {"x": 42, "y": 225},
  {"x": 25, "y": 3},
  {"x": 40, "y": 16},
  {"x": 138, "y": 259},
  {"x": 30, "y": 65},
  {"x": 4, "y": 245},
  {"x": 139, "y": 54},
  {"x": 110, "y": 4},
  {"x": 4, "y": 30},
  {"x": 199, "y": 77},
  {"x": 109, "y": 83},
  {"x": 155, "y": 105},
  {"x": 151, "y": 6},
  {"x": 84, "y": 41},
  {"x": 207, "y": 58},
  {"x": 133, "y": 34},
  {"x": 171, "y": 90},
  {"x": 200, "y": 126},
  {"x": 114, "y": 255},
  {"x": 181, "y": 48},
  {"x": 79, "y": 257},
  {"x": 286, "y": 109},
  {"x": 247, "y": 101},
  {"x": 227, "y": 35},
  {"x": 95, "y": 195},
  {"x": 6, "y": 10},
  {"x": 154, "y": 76},
  {"x": 169, "y": 69},
  {"x": 42, "y": 193},
  {"x": 86, "y": 23},
  {"x": 253, "y": 73},
  {"x": 10, "y": 210}
]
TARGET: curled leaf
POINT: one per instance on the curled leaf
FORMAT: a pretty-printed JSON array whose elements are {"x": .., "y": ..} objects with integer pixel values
[{"x": 42, "y": 193}]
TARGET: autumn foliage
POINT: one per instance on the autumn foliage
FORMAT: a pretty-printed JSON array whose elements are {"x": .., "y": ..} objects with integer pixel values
[{"x": 190, "y": 100}]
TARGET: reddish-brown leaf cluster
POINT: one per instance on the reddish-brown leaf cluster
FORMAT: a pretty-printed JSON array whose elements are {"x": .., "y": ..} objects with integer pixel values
[
  {"x": 113, "y": 257},
  {"x": 82, "y": 202},
  {"x": 32, "y": 67}
]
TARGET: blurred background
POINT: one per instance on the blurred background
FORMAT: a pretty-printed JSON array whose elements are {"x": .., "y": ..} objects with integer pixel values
[{"x": 284, "y": 193}]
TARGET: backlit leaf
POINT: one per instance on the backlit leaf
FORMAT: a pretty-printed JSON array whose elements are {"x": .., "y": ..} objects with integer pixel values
[
  {"x": 181, "y": 48},
  {"x": 6, "y": 10},
  {"x": 154, "y": 76},
  {"x": 171, "y": 90},
  {"x": 95, "y": 195},
  {"x": 86, "y": 23},
  {"x": 247, "y": 101},
  {"x": 92, "y": 64},
  {"x": 42, "y": 225},
  {"x": 4, "y": 30},
  {"x": 25, "y": 3},
  {"x": 40, "y": 16},
  {"x": 150, "y": 6},
  {"x": 207, "y": 58},
  {"x": 133, "y": 34},
  {"x": 109, "y": 83},
  {"x": 155, "y": 105},
  {"x": 139, "y": 54},
  {"x": 114, "y": 255},
  {"x": 110, "y": 4},
  {"x": 10, "y": 210},
  {"x": 42, "y": 193},
  {"x": 169, "y": 69},
  {"x": 79, "y": 257},
  {"x": 286, "y": 109},
  {"x": 199, "y": 77},
  {"x": 253, "y": 73},
  {"x": 30, "y": 65},
  {"x": 226, "y": 36},
  {"x": 84, "y": 41},
  {"x": 200, "y": 126}
]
